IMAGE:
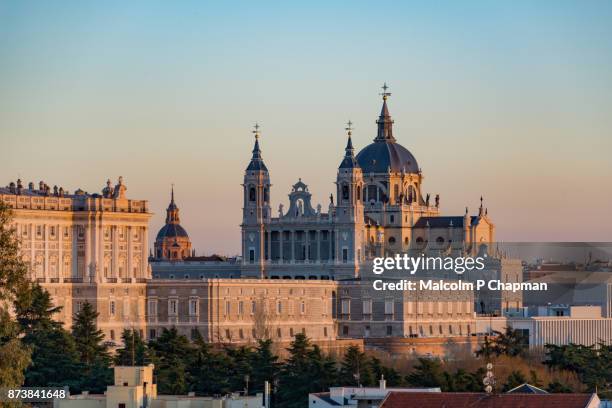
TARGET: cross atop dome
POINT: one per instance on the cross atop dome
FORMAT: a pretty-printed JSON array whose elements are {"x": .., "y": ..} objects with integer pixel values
[
  {"x": 349, "y": 128},
  {"x": 384, "y": 93},
  {"x": 256, "y": 131},
  {"x": 385, "y": 123}
]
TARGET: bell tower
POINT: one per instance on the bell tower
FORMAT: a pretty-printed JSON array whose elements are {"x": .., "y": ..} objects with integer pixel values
[
  {"x": 255, "y": 213},
  {"x": 349, "y": 209}
]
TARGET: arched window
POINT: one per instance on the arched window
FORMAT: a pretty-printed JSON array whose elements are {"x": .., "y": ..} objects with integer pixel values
[
  {"x": 252, "y": 194},
  {"x": 412, "y": 195},
  {"x": 266, "y": 195},
  {"x": 391, "y": 240},
  {"x": 358, "y": 192},
  {"x": 345, "y": 192},
  {"x": 440, "y": 240}
]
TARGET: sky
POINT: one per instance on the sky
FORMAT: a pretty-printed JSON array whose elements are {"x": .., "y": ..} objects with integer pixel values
[{"x": 508, "y": 100}]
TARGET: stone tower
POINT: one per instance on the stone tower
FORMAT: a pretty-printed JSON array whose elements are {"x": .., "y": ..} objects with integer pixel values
[
  {"x": 349, "y": 211},
  {"x": 255, "y": 213}
]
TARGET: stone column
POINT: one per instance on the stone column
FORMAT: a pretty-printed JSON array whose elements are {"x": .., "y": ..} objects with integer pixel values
[
  {"x": 60, "y": 253},
  {"x": 307, "y": 246},
  {"x": 292, "y": 246},
  {"x": 114, "y": 251},
  {"x": 46, "y": 268},
  {"x": 144, "y": 258},
  {"x": 318, "y": 246},
  {"x": 75, "y": 253},
  {"x": 86, "y": 274},
  {"x": 269, "y": 233},
  {"x": 130, "y": 253}
]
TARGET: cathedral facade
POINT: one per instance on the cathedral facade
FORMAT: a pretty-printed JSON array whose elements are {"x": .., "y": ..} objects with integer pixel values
[{"x": 379, "y": 210}]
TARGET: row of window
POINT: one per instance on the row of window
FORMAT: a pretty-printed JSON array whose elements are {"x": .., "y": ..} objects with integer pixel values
[
  {"x": 451, "y": 307},
  {"x": 240, "y": 333},
  {"x": 414, "y": 333}
]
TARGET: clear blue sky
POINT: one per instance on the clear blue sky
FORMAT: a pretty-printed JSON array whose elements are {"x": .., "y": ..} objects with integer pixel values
[{"x": 509, "y": 100}]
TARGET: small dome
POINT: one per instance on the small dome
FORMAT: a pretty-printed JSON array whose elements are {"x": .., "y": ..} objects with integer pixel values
[
  {"x": 381, "y": 155},
  {"x": 171, "y": 231}
]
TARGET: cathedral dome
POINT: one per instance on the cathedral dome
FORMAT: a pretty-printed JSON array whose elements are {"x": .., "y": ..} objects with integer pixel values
[
  {"x": 385, "y": 153},
  {"x": 171, "y": 231},
  {"x": 382, "y": 155}
]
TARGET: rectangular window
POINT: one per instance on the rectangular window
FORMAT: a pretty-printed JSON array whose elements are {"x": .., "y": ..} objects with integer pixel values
[
  {"x": 325, "y": 332},
  {"x": 346, "y": 306},
  {"x": 227, "y": 307},
  {"x": 152, "y": 333},
  {"x": 367, "y": 306},
  {"x": 344, "y": 255},
  {"x": 193, "y": 307},
  {"x": 441, "y": 307},
  {"x": 253, "y": 307},
  {"x": 279, "y": 307},
  {"x": 172, "y": 307},
  {"x": 39, "y": 231},
  {"x": 345, "y": 330},
  {"x": 388, "y": 307},
  {"x": 241, "y": 307},
  {"x": 52, "y": 231},
  {"x": 303, "y": 308},
  {"x": 111, "y": 308},
  {"x": 251, "y": 256},
  {"x": 152, "y": 307},
  {"x": 279, "y": 333},
  {"x": 389, "y": 330}
]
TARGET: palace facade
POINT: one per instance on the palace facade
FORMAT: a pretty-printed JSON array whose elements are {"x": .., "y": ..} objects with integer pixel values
[{"x": 302, "y": 270}]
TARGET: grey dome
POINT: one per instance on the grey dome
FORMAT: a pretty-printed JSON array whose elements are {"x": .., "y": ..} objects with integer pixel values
[
  {"x": 385, "y": 153},
  {"x": 381, "y": 155},
  {"x": 171, "y": 231}
]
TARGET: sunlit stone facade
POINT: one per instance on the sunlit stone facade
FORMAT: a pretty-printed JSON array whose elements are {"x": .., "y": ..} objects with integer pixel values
[{"x": 85, "y": 247}]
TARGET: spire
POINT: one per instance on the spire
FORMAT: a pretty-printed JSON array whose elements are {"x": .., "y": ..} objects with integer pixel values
[
  {"x": 349, "y": 160},
  {"x": 385, "y": 123},
  {"x": 172, "y": 204},
  {"x": 256, "y": 161},
  {"x": 172, "y": 212}
]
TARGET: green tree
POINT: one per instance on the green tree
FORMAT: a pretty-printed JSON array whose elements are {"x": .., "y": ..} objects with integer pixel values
[
  {"x": 207, "y": 369},
  {"x": 93, "y": 353},
  {"x": 134, "y": 351},
  {"x": 427, "y": 373},
  {"x": 172, "y": 352},
  {"x": 306, "y": 370},
  {"x": 14, "y": 355},
  {"x": 392, "y": 377},
  {"x": 515, "y": 379},
  {"x": 509, "y": 343},
  {"x": 355, "y": 369},
  {"x": 55, "y": 359},
  {"x": 557, "y": 387},
  {"x": 13, "y": 271},
  {"x": 265, "y": 366}
]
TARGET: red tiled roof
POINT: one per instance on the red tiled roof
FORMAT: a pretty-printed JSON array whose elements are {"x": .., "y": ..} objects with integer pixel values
[{"x": 481, "y": 400}]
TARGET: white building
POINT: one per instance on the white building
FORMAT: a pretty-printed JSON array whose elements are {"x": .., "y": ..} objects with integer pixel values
[{"x": 369, "y": 397}]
